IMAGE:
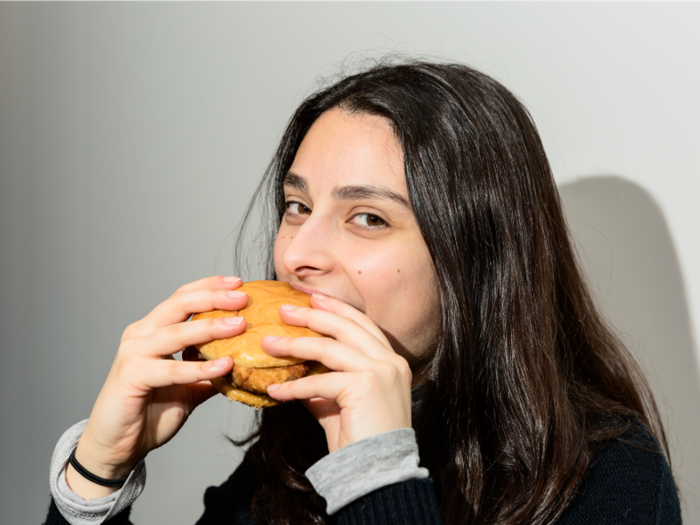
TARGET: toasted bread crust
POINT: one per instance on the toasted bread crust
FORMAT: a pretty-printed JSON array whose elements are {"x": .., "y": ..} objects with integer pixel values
[
  {"x": 254, "y": 370},
  {"x": 262, "y": 318}
]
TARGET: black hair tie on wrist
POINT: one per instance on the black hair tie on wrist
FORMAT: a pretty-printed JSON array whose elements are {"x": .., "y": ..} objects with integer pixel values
[{"x": 89, "y": 475}]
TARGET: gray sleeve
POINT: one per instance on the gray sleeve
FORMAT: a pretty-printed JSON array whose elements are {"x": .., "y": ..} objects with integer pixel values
[
  {"x": 77, "y": 510},
  {"x": 366, "y": 465}
]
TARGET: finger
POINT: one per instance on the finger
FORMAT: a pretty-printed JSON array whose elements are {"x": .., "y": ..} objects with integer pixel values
[
  {"x": 333, "y": 305},
  {"x": 321, "y": 408},
  {"x": 214, "y": 282},
  {"x": 335, "y": 355},
  {"x": 326, "y": 386},
  {"x": 179, "y": 306},
  {"x": 176, "y": 337},
  {"x": 340, "y": 328},
  {"x": 201, "y": 392},
  {"x": 158, "y": 373}
]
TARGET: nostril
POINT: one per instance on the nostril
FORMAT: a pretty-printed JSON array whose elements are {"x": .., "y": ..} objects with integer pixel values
[{"x": 305, "y": 269}]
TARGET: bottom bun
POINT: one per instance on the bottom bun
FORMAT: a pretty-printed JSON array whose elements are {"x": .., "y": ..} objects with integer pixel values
[{"x": 257, "y": 401}]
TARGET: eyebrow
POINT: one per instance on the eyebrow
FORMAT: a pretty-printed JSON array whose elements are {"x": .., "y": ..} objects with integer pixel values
[{"x": 350, "y": 193}]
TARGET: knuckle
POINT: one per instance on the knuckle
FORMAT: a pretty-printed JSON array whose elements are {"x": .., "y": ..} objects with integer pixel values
[
  {"x": 125, "y": 349},
  {"x": 178, "y": 296},
  {"x": 347, "y": 326},
  {"x": 200, "y": 371},
  {"x": 395, "y": 371},
  {"x": 129, "y": 332},
  {"x": 212, "y": 325},
  {"x": 351, "y": 323},
  {"x": 408, "y": 375},
  {"x": 126, "y": 366},
  {"x": 367, "y": 378},
  {"x": 313, "y": 380},
  {"x": 389, "y": 371},
  {"x": 405, "y": 372},
  {"x": 182, "y": 288},
  {"x": 172, "y": 331},
  {"x": 402, "y": 366},
  {"x": 307, "y": 383},
  {"x": 301, "y": 343},
  {"x": 172, "y": 368}
]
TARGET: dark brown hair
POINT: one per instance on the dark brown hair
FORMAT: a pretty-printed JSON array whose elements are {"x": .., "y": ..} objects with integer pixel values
[{"x": 526, "y": 377}]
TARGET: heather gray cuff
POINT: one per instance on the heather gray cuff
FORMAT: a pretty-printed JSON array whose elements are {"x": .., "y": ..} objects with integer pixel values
[
  {"x": 366, "y": 465},
  {"x": 77, "y": 510}
]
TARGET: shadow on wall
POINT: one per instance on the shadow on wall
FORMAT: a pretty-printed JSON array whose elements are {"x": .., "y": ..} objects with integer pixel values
[{"x": 628, "y": 255}]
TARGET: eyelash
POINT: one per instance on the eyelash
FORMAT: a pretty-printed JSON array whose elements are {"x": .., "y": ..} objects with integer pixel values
[{"x": 288, "y": 204}]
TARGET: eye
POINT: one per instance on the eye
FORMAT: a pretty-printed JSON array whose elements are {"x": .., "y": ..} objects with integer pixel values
[
  {"x": 296, "y": 208},
  {"x": 369, "y": 221}
]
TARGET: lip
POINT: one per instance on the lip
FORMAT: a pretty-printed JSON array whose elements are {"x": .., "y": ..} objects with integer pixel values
[
  {"x": 310, "y": 291},
  {"x": 313, "y": 291}
]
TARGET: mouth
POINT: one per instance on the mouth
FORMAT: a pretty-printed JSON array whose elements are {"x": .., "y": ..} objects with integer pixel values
[
  {"x": 313, "y": 291},
  {"x": 310, "y": 291}
]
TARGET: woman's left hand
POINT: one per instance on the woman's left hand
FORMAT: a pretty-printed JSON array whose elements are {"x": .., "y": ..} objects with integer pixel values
[{"x": 368, "y": 391}]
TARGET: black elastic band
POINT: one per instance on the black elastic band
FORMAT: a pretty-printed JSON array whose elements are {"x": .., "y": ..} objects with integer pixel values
[{"x": 89, "y": 475}]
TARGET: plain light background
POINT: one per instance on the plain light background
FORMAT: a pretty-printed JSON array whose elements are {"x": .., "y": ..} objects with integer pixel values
[{"x": 133, "y": 135}]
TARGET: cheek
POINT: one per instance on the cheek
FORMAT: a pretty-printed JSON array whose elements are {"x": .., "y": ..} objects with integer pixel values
[
  {"x": 373, "y": 269},
  {"x": 396, "y": 265},
  {"x": 281, "y": 243},
  {"x": 393, "y": 281}
]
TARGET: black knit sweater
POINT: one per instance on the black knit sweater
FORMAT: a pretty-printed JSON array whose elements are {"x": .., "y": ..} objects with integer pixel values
[{"x": 626, "y": 483}]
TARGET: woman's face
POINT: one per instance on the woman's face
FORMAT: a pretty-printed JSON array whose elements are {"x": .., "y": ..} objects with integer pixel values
[{"x": 349, "y": 232}]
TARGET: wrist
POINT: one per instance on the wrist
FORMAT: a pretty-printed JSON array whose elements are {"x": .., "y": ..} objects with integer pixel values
[
  {"x": 106, "y": 455},
  {"x": 90, "y": 458},
  {"x": 99, "y": 462},
  {"x": 82, "y": 485},
  {"x": 85, "y": 488},
  {"x": 81, "y": 499}
]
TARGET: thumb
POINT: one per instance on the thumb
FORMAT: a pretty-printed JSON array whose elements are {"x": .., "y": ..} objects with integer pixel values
[
  {"x": 321, "y": 408},
  {"x": 200, "y": 392}
]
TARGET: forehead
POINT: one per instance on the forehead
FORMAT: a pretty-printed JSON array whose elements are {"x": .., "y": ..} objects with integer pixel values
[{"x": 343, "y": 148}]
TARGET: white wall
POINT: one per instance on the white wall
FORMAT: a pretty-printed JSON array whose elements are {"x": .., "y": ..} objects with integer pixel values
[{"x": 132, "y": 135}]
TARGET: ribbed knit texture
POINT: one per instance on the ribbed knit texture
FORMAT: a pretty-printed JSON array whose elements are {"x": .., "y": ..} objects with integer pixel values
[
  {"x": 77, "y": 510},
  {"x": 625, "y": 484},
  {"x": 359, "y": 468},
  {"x": 55, "y": 517},
  {"x": 410, "y": 502},
  {"x": 230, "y": 502}
]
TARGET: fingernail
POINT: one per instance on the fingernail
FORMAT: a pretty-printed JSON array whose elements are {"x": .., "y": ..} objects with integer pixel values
[
  {"x": 236, "y": 294},
  {"x": 222, "y": 362},
  {"x": 231, "y": 279},
  {"x": 270, "y": 338},
  {"x": 289, "y": 307},
  {"x": 319, "y": 297},
  {"x": 233, "y": 321},
  {"x": 272, "y": 388}
]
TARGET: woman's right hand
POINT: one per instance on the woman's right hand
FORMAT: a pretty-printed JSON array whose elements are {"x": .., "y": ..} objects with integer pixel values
[{"x": 148, "y": 395}]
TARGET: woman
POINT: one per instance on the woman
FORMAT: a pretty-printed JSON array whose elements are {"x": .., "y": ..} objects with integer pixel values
[{"x": 416, "y": 203}]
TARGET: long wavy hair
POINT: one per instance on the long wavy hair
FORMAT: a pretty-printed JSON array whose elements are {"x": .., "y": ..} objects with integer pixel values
[{"x": 526, "y": 377}]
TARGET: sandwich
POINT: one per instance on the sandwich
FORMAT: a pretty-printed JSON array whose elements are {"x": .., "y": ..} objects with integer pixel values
[{"x": 253, "y": 369}]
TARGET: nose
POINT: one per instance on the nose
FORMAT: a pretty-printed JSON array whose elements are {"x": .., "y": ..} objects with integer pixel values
[{"x": 307, "y": 250}]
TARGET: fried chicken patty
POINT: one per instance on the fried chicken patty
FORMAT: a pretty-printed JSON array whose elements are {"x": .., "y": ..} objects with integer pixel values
[{"x": 256, "y": 380}]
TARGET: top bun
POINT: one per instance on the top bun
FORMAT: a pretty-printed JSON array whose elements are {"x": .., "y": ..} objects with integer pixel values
[{"x": 262, "y": 318}]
